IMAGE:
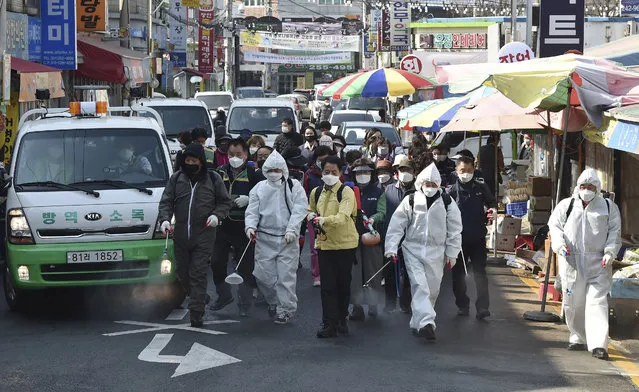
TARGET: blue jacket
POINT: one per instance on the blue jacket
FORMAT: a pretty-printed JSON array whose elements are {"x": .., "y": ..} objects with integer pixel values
[
  {"x": 471, "y": 198},
  {"x": 373, "y": 204}
]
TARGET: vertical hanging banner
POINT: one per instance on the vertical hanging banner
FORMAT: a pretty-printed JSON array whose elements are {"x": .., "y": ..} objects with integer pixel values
[
  {"x": 400, "y": 26},
  {"x": 35, "y": 40},
  {"x": 92, "y": 15},
  {"x": 561, "y": 25},
  {"x": 59, "y": 45},
  {"x": 178, "y": 33},
  {"x": 206, "y": 57},
  {"x": 11, "y": 113},
  {"x": 384, "y": 34}
]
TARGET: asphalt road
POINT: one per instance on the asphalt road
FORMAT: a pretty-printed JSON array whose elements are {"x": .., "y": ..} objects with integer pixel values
[{"x": 61, "y": 345}]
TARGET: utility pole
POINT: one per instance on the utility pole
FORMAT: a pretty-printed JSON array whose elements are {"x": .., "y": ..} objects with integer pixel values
[
  {"x": 362, "y": 53},
  {"x": 513, "y": 20},
  {"x": 228, "y": 53},
  {"x": 149, "y": 44},
  {"x": 268, "y": 83}
]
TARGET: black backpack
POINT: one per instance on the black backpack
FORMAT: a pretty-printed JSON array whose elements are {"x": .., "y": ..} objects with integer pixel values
[{"x": 445, "y": 198}]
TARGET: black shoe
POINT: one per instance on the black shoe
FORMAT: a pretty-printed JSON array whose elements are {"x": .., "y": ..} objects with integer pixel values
[
  {"x": 357, "y": 314},
  {"x": 272, "y": 311},
  {"x": 463, "y": 312},
  {"x": 577, "y": 347},
  {"x": 415, "y": 332},
  {"x": 428, "y": 332},
  {"x": 327, "y": 331},
  {"x": 372, "y": 311},
  {"x": 405, "y": 309},
  {"x": 197, "y": 320},
  {"x": 342, "y": 327},
  {"x": 482, "y": 314},
  {"x": 221, "y": 303},
  {"x": 600, "y": 353}
]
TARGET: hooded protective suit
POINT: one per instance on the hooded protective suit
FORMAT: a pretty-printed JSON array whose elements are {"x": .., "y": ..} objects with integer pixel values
[
  {"x": 268, "y": 214},
  {"x": 426, "y": 246},
  {"x": 588, "y": 233}
]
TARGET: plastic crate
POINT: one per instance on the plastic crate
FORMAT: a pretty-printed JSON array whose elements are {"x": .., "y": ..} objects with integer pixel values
[{"x": 517, "y": 209}]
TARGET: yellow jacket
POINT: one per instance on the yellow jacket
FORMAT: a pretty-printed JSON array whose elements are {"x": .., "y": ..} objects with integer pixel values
[{"x": 338, "y": 218}]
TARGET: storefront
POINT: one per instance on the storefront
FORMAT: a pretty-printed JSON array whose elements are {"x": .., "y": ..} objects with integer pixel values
[{"x": 291, "y": 77}]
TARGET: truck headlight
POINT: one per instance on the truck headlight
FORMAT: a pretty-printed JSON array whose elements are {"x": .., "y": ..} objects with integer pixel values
[{"x": 19, "y": 230}]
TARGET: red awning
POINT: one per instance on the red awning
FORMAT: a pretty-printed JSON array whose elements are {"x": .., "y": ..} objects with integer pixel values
[
  {"x": 24, "y": 66},
  {"x": 204, "y": 76},
  {"x": 104, "y": 61}
]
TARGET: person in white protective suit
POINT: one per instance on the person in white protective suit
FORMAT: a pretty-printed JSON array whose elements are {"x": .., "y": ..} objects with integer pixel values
[
  {"x": 585, "y": 230},
  {"x": 431, "y": 225},
  {"x": 277, "y": 207}
]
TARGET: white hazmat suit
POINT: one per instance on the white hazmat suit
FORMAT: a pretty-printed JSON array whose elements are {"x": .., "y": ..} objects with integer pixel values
[
  {"x": 588, "y": 233},
  {"x": 432, "y": 236},
  {"x": 274, "y": 212}
]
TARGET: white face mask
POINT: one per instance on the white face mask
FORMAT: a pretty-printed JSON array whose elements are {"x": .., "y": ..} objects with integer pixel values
[
  {"x": 338, "y": 149},
  {"x": 253, "y": 150},
  {"x": 384, "y": 178},
  {"x": 126, "y": 155},
  {"x": 285, "y": 129},
  {"x": 236, "y": 162},
  {"x": 274, "y": 176},
  {"x": 586, "y": 195},
  {"x": 330, "y": 179},
  {"x": 405, "y": 177},
  {"x": 465, "y": 177},
  {"x": 429, "y": 192},
  {"x": 382, "y": 151},
  {"x": 527, "y": 142},
  {"x": 363, "y": 179}
]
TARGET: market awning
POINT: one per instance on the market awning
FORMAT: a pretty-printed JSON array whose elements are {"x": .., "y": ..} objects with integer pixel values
[
  {"x": 624, "y": 51},
  {"x": 620, "y": 130},
  {"x": 198, "y": 73},
  {"x": 34, "y": 76},
  {"x": 111, "y": 63}
]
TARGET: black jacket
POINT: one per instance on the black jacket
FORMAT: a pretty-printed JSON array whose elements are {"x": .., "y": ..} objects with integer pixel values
[
  {"x": 286, "y": 140},
  {"x": 471, "y": 198}
]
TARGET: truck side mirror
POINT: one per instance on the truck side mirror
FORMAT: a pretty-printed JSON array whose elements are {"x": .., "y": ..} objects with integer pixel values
[{"x": 5, "y": 185}]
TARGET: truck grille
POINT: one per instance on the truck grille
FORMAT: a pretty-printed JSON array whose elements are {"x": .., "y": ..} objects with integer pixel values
[
  {"x": 94, "y": 271},
  {"x": 139, "y": 229}
]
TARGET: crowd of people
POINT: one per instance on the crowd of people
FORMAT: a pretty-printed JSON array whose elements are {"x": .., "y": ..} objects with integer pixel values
[{"x": 381, "y": 228}]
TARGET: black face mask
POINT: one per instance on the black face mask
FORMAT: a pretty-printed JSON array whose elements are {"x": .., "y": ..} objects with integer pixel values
[
  {"x": 260, "y": 163},
  {"x": 190, "y": 169},
  {"x": 310, "y": 138}
]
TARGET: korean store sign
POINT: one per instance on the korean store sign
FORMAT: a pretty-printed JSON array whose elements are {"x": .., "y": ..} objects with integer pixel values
[
  {"x": 399, "y": 25},
  {"x": 18, "y": 35},
  {"x": 562, "y": 27},
  {"x": 177, "y": 34},
  {"x": 206, "y": 59},
  {"x": 92, "y": 15},
  {"x": 59, "y": 49}
]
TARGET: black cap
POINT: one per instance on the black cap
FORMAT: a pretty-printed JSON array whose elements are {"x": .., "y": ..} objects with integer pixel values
[
  {"x": 198, "y": 133},
  {"x": 293, "y": 156},
  {"x": 197, "y": 151}
]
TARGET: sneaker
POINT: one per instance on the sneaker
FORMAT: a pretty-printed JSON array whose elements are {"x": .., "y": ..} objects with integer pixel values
[
  {"x": 427, "y": 332},
  {"x": 283, "y": 319},
  {"x": 482, "y": 314},
  {"x": 317, "y": 283},
  {"x": 600, "y": 353},
  {"x": 221, "y": 303},
  {"x": 197, "y": 319},
  {"x": 357, "y": 314},
  {"x": 244, "y": 311},
  {"x": 272, "y": 311},
  {"x": 372, "y": 311},
  {"x": 327, "y": 331},
  {"x": 463, "y": 312},
  {"x": 342, "y": 327},
  {"x": 577, "y": 347}
]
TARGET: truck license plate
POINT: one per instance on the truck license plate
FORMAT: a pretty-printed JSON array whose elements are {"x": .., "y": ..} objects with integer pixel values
[{"x": 94, "y": 256}]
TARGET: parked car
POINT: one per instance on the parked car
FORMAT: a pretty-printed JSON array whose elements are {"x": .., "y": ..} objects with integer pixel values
[
  {"x": 355, "y": 131},
  {"x": 458, "y": 141},
  {"x": 249, "y": 92},
  {"x": 340, "y": 116},
  {"x": 373, "y": 105},
  {"x": 261, "y": 116},
  {"x": 316, "y": 100},
  {"x": 301, "y": 105}
]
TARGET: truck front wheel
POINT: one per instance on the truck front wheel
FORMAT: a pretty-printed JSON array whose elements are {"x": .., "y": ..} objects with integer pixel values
[{"x": 15, "y": 297}]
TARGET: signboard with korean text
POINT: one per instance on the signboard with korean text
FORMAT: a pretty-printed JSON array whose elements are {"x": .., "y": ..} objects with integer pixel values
[
  {"x": 6, "y": 77},
  {"x": 371, "y": 39},
  {"x": 316, "y": 68},
  {"x": 452, "y": 41},
  {"x": 11, "y": 114},
  {"x": 92, "y": 15},
  {"x": 561, "y": 25},
  {"x": 206, "y": 57},
  {"x": 400, "y": 35},
  {"x": 333, "y": 43},
  {"x": 18, "y": 35},
  {"x": 35, "y": 40},
  {"x": 312, "y": 28},
  {"x": 191, "y": 3},
  {"x": 515, "y": 52},
  {"x": 277, "y": 58},
  {"x": 177, "y": 34},
  {"x": 629, "y": 7},
  {"x": 383, "y": 32},
  {"x": 59, "y": 45}
]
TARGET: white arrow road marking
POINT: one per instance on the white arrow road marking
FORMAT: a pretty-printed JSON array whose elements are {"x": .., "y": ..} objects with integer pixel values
[
  {"x": 198, "y": 358},
  {"x": 177, "y": 314},
  {"x": 154, "y": 327}
]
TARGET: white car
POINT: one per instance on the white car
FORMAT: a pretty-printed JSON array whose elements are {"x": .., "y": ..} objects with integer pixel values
[
  {"x": 262, "y": 116},
  {"x": 179, "y": 115},
  {"x": 355, "y": 131},
  {"x": 372, "y": 105},
  {"x": 340, "y": 116},
  {"x": 317, "y": 100},
  {"x": 215, "y": 100}
]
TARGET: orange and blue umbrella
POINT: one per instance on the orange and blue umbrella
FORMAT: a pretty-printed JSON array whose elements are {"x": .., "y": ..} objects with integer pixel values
[{"x": 383, "y": 82}]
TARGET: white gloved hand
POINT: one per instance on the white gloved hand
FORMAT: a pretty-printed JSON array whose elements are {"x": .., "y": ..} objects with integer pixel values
[
  {"x": 320, "y": 220},
  {"x": 311, "y": 216},
  {"x": 165, "y": 227},
  {"x": 250, "y": 233},
  {"x": 241, "y": 201},
  {"x": 390, "y": 255},
  {"x": 290, "y": 237},
  {"x": 606, "y": 260},
  {"x": 212, "y": 221},
  {"x": 450, "y": 262}
]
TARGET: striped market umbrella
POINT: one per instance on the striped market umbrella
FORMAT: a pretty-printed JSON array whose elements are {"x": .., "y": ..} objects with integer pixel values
[{"x": 383, "y": 82}]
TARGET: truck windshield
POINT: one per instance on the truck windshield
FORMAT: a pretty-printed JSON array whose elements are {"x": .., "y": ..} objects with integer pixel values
[
  {"x": 259, "y": 120},
  {"x": 95, "y": 157},
  {"x": 182, "y": 118},
  {"x": 361, "y": 103},
  {"x": 213, "y": 102}
]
